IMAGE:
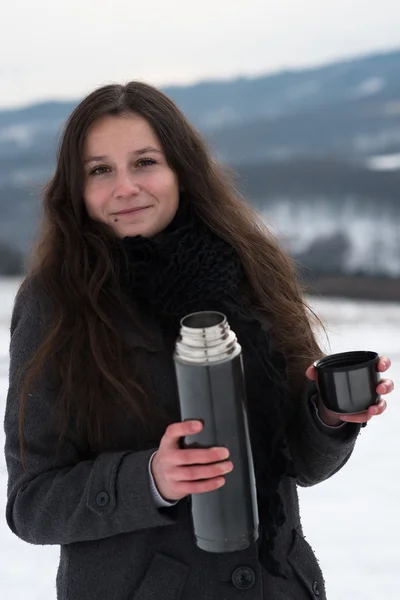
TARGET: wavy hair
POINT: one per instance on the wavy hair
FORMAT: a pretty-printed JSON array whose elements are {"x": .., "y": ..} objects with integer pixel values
[{"x": 72, "y": 266}]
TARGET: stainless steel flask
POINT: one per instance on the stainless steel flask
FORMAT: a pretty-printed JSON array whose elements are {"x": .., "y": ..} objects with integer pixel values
[{"x": 210, "y": 378}]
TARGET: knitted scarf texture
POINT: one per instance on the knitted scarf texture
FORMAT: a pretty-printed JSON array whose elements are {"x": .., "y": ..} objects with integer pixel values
[{"x": 188, "y": 269}]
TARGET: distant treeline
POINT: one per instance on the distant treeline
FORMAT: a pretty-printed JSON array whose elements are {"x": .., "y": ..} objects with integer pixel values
[
  {"x": 300, "y": 180},
  {"x": 311, "y": 177}
]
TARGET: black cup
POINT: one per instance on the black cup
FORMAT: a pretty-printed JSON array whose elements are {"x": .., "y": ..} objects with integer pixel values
[{"x": 347, "y": 381}]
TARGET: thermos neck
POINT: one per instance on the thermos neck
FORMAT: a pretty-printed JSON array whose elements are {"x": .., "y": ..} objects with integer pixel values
[{"x": 205, "y": 337}]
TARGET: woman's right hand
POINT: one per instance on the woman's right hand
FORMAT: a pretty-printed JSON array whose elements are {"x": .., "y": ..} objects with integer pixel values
[{"x": 179, "y": 472}]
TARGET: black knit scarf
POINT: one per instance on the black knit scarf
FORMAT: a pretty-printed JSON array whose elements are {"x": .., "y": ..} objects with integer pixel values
[{"x": 188, "y": 269}]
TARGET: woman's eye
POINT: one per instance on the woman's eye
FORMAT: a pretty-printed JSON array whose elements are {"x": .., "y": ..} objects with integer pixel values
[
  {"x": 99, "y": 171},
  {"x": 102, "y": 170},
  {"x": 146, "y": 162}
]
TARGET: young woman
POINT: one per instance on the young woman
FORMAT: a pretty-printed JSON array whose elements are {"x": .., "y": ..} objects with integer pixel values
[{"x": 141, "y": 228}]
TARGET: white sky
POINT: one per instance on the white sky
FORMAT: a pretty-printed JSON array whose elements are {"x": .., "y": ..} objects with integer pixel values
[{"x": 65, "y": 48}]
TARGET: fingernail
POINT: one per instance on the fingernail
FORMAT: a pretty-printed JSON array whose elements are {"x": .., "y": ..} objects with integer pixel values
[
  {"x": 226, "y": 468},
  {"x": 224, "y": 453},
  {"x": 197, "y": 426}
]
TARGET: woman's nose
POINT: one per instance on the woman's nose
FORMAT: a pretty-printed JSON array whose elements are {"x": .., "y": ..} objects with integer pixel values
[{"x": 126, "y": 186}]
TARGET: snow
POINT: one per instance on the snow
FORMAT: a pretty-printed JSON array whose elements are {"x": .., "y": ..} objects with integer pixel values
[
  {"x": 371, "y": 143},
  {"x": 368, "y": 87},
  {"x": 304, "y": 90},
  {"x": 351, "y": 520},
  {"x": 372, "y": 233},
  {"x": 22, "y": 134},
  {"x": 384, "y": 162},
  {"x": 219, "y": 117}
]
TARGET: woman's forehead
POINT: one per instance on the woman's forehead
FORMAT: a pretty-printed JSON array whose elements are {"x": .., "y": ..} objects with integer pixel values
[{"x": 131, "y": 133}]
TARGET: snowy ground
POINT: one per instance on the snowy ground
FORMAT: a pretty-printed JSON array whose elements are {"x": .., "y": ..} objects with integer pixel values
[{"x": 351, "y": 520}]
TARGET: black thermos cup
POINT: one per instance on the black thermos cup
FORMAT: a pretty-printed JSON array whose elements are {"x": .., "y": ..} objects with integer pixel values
[{"x": 210, "y": 378}]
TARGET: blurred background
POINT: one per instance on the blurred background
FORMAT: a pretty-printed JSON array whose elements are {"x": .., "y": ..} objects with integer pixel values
[{"x": 302, "y": 100}]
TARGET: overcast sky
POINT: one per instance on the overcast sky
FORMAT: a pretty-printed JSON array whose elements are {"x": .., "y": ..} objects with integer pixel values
[{"x": 65, "y": 48}]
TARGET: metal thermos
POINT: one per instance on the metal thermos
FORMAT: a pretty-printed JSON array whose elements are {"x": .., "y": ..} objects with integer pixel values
[{"x": 209, "y": 370}]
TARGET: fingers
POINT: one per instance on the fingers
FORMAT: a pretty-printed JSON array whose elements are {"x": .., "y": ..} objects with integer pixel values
[
  {"x": 200, "y": 456},
  {"x": 195, "y": 473},
  {"x": 198, "y": 487},
  {"x": 200, "y": 479},
  {"x": 377, "y": 409},
  {"x": 366, "y": 416},
  {"x": 180, "y": 472},
  {"x": 175, "y": 483},
  {"x": 311, "y": 373},
  {"x": 385, "y": 386},
  {"x": 175, "y": 431},
  {"x": 384, "y": 363}
]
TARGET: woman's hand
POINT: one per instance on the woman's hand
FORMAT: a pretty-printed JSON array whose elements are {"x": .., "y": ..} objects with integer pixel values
[
  {"x": 385, "y": 387},
  {"x": 179, "y": 472}
]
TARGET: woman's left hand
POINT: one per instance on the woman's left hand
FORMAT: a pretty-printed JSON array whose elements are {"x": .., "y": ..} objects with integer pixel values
[{"x": 385, "y": 386}]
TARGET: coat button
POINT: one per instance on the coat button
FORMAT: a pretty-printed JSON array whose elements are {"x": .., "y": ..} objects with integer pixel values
[
  {"x": 316, "y": 588},
  {"x": 243, "y": 578},
  {"x": 102, "y": 499}
]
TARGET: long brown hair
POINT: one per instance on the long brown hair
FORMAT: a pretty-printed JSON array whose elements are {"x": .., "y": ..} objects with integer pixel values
[{"x": 72, "y": 267}]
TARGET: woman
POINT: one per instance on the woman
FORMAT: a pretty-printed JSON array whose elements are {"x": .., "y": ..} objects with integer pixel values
[{"x": 141, "y": 228}]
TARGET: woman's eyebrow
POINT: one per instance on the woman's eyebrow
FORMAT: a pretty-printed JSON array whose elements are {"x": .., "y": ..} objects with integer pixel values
[
  {"x": 147, "y": 149},
  {"x": 136, "y": 152}
]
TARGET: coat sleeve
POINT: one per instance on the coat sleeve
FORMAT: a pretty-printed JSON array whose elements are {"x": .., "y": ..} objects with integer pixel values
[
  {"x": 57, "y": 498},
  {"x": 318, "y": 451}
]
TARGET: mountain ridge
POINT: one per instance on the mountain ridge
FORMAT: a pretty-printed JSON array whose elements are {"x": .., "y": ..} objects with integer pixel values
[
  {"x": 355, "y": 60},
  {"x": 299, "y": 140}
]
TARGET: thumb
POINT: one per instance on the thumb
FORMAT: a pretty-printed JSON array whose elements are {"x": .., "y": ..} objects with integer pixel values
[
  {"x": 176, "y": 431},
  {"x": 311, "y": 373}
]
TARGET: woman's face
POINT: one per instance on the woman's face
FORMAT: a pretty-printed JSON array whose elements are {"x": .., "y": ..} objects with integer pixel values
[{"x": 128, "y": 182}]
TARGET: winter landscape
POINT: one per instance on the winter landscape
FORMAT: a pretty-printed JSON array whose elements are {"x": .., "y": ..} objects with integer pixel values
[
  {"x": 316, "y": 150},
  {"x": 351, "y": 520}
]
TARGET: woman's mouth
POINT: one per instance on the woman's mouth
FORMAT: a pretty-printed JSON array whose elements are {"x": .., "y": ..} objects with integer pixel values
[{"x": 130, "y": 211}]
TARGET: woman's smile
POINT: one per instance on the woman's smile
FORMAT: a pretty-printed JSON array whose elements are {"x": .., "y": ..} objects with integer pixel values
[{"x": 129, "y": 212}]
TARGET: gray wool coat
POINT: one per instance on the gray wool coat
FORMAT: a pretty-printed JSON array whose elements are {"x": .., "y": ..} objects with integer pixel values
[{"x": 115, "y": 543}]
